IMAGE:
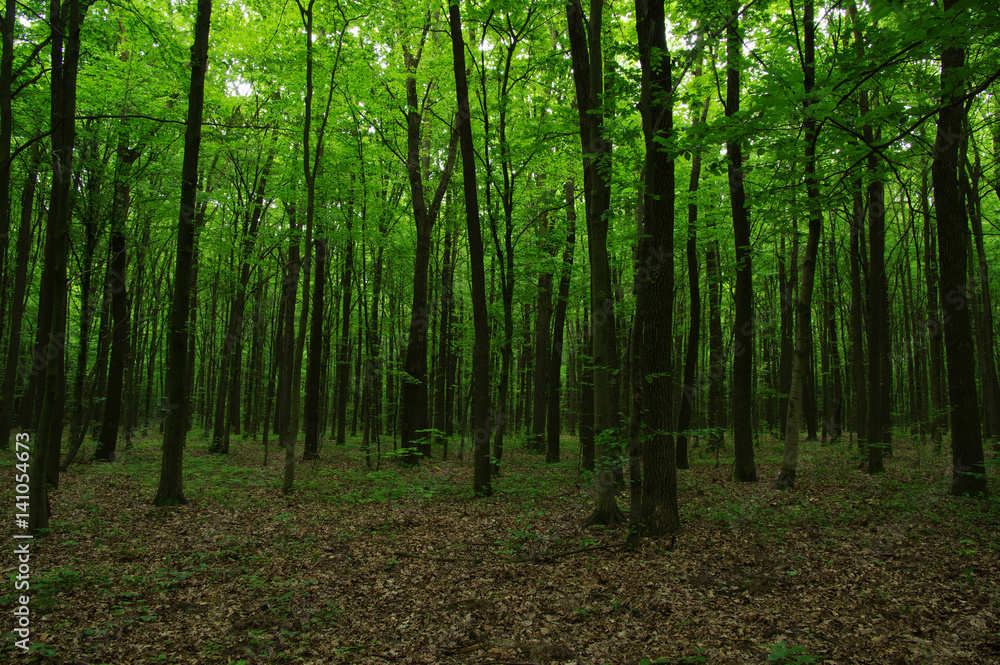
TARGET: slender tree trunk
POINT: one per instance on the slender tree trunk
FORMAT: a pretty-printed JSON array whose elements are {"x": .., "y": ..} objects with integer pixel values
[
  {"x": 832, "y": 415},
  {"x": 65, "y": 23},
  {"x": 481, "y": 347},
  {"x": 171, "y": 487},
  {"x": 116, "y": 284},
  {"x": 24, "y": 236},
  {"x": 968, "y": 470},
  {"x": 343, "y": 366},
  {"x": 6, "y": 133},
  {"x": 286, "y": 365},
  {"x": 983, "y": 306},
  {"x": 543, "y": 350},
  {"x": 743, "y": 335},
  {"x": 314, "y": 367},
  {"x": 803, "y": 324},
  {"x": 555, "y": 365},
  {"x": 588, "y": 79},
  {"x": 694, "y": 318}
]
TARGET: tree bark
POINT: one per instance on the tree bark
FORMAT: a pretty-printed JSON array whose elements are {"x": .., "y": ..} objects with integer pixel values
[
  {"x": 555, "y": 365},
  {"x": 968, "y": 469},
  {"x": 171, "y": 486},
  {"x": 65, "y": 23},
  {"x": 24, "y": 236},
  {"x": 744, "y": 469},
  {"x": 694, "y": 318},
  {"x": 414, "y": 398},
  {"x": 654, "y": 276},
  {"x": 803, "y": 324},
  {"x": 588, "y": 80},
  {"x": 481, "y": 485},
  {"x": 117, "y": 285}
]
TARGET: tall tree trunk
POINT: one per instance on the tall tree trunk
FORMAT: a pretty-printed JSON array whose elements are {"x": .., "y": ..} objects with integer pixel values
[
  {"x": 786, "y": 295},
  {"x": 716, "y": 354},
  {"x": 286, "y": 365},
  {"x": 588, "y": 79},
  {"x": 116, "y": 284},
  {"x": 414, "y": 399},
  {"x": 694, "y": 318},
  {"x": 315, "y": 366},
  {"x": 171, "y": 487},
  {"x": 803, "y": 324},
  {"x": 968, "y": 470},
  {"x": 65, "y": 23},
  {"x": 343, "y": 365},
  {"x": 6, "y": 134},
  {"x": 481, "y": 485},
  {"x": 983, "y": 307},
  {"x": 555, "y": 365},
  {"x": 24, "y": 235},
  {"x": 744, "y": 469},
  {"x": 655, "y": 276},
  {"x": 832, "y": 415},
  {"x": 543, "y": 351},
  {"x": 935, "y": 334},
  {"x": 857, "y": 320}
]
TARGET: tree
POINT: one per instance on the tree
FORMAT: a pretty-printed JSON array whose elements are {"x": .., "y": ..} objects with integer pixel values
[
  {"x": 171, "y": 487},
  {"x": 588, "y": 80},
  {"x": 968, "y": 470},
  {"x": 117, "y": 285},
  {"x": 803, "y": 323},
  {"x": 562, "y": 301},
  {"x": 481, "y": 485},
  {"x": 415, "y": 396},
  {"x": 65, "y": 22},
  {"x": 743, "y": 323},
  {"x": 655, "y": 276}
]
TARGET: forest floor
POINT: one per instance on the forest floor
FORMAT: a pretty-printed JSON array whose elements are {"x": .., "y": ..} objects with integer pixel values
[{"x": 406, "y": 566}]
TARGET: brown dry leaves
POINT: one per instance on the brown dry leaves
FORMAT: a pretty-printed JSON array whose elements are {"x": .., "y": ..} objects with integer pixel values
[{"x": 404, "y": 566}]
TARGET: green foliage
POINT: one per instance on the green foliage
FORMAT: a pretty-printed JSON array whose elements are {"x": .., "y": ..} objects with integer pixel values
[
  {"x": 787, "y": 655},
  {"x": 698, "y": 657}
]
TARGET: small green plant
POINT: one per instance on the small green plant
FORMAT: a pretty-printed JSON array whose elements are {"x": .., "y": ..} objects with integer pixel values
[
  {"x": 46, "y": 650},
  {"x": 787, "y": 655},
  {"x": 698, "y": 657}
]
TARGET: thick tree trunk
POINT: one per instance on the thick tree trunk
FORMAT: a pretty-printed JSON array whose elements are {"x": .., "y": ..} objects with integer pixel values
[
  {"x": 414, "y": 398},
  {"x": 655, "y": 276}
]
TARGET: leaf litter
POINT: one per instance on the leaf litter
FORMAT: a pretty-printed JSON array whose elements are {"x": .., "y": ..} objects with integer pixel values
[{"x": 405, "y": 566}]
